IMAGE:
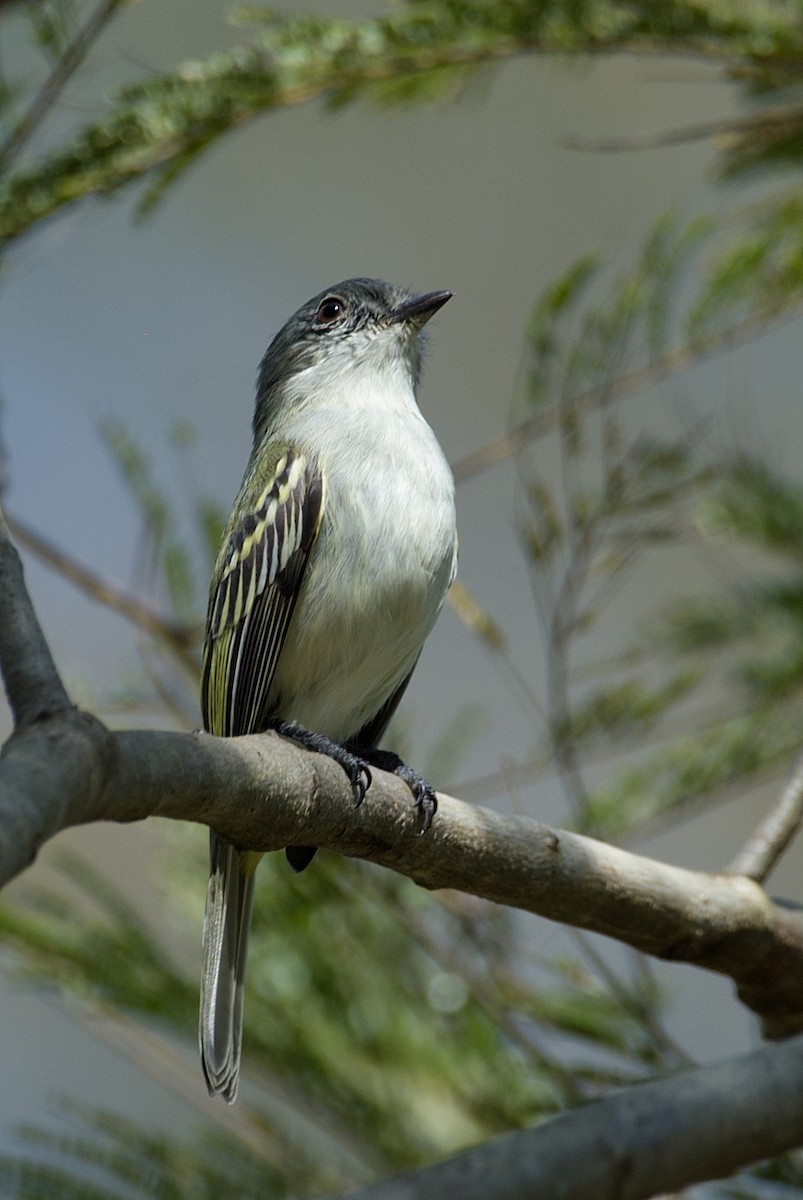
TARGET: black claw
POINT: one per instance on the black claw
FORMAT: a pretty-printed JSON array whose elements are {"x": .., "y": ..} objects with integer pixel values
[
  {"x": 357, "y": 770},
  {"x": 427, "y": 804},
  {"x": 354, "y": 760},
  {"x": 363, "y": 781},
  {"x": 424, "y": 796}
]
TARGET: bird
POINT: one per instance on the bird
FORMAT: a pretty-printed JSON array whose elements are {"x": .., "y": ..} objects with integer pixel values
[{"x": 333, "y": 567}]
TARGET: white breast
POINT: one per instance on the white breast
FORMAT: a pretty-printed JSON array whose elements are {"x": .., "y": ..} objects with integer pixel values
[{"x": 383, "y": 560}]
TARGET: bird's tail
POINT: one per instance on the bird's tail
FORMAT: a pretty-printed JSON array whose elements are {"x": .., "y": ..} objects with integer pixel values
[{"x": 229, "y": 899}]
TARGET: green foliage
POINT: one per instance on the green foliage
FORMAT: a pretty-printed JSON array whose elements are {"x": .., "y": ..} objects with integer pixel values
[
  {"x": 627, "y": 708},
  {"x": 578, "y": 345},
  {"x": 411, "y": 1031},
  {"x": 619, "y": 497},
  {"x": 392, "y": 1061},
  {"x": 752, "y": 637},
  {"x": 695, "y": 769},
  {"x": 424, "y": 51},
  {"x": 755, "y": 276},
  {"x": 127, "y": 1162},
  {"x": 545, "y": 343},
  {"x": 115, "y": 958},
  {"x": 756, "y": 505},
  {"x": 52, "y": 23},
  {"x": 599, "y": 496}
]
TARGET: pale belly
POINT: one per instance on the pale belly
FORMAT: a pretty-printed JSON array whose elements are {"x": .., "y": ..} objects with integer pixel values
[{"x": 372, "y": 591}]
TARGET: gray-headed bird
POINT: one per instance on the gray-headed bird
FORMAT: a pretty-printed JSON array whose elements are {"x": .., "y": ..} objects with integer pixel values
[{"x": 332, "y": 570}]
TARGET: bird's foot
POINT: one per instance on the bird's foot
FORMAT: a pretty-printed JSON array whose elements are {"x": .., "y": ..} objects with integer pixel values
[
  {"x": 357, "y": 769},
  {"x": 423, "y": 793},
  {"x": 355, "y": 766}
]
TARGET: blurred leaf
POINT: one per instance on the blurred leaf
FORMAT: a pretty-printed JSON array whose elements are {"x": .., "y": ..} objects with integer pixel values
[
  {"x": 135, "y": 470},
  {"x": 758, "y": 274},
  {"x": 695, "y": 769},
  {"x": 130, "y": 1162},
  {"x": 211, "y": 519},
  {"x": 424, "y": 51},
  {"x": 628, "y": 707},
  {"x": 755, "y": 504},
  {"x": 181, "y": 566},
  {"x": 52, "y": 23}
]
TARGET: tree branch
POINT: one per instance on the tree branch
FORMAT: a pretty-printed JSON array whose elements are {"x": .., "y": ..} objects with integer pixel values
[
  {"x": 32, "y": 683},
  {"x": 654, "y": 1137},
  {"x": 63, "y": 767},
  {"x": 767, "y": 843},
  {"x": 263, "y": 792}
]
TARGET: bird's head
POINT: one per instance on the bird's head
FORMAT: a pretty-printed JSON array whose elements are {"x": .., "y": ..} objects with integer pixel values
[{"x": 358, "y": 325}]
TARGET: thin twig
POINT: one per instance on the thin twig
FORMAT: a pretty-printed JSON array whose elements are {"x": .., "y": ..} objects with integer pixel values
[
  {"x": 765, "y": 846},
  {"x": 181, "y": 638},
  {"x": 785, "y": 115},
  {"x": 629, "y": 1003},
  {"x": 485, "y": 989},
  {"x": 506, "y": 445},
  {"x": 492, "y": 637},
  {"x": 55, "y": 83}
]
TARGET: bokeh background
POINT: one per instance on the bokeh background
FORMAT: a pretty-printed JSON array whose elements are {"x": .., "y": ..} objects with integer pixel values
[{"x": 159, "y": 325}]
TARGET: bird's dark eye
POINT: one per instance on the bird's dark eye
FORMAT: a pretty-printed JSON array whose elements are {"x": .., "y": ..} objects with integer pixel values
[{"x": 330, "y": 310}]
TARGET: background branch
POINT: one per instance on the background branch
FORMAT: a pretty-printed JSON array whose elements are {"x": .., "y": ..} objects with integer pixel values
[
  {"x": 673, "y": 362},
  {"x": 782, "y": 118},
  {"x": 66, "y": 66},
  {"x": 651, "y": 1138},
  {"x": 183, "y": 639},
  {"x": 765, "y": 846}
]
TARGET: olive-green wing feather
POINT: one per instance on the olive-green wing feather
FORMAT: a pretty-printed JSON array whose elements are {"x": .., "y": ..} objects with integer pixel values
[
  {"x": 253, "y": 595},
  {"x": 254, "y": 591}
]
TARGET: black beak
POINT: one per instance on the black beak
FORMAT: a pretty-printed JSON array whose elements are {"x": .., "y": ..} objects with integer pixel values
[{"x": 419, "y": 309}]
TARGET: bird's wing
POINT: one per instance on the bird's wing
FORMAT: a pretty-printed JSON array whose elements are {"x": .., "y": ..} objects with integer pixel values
[{"x": 255, "y": 591}]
